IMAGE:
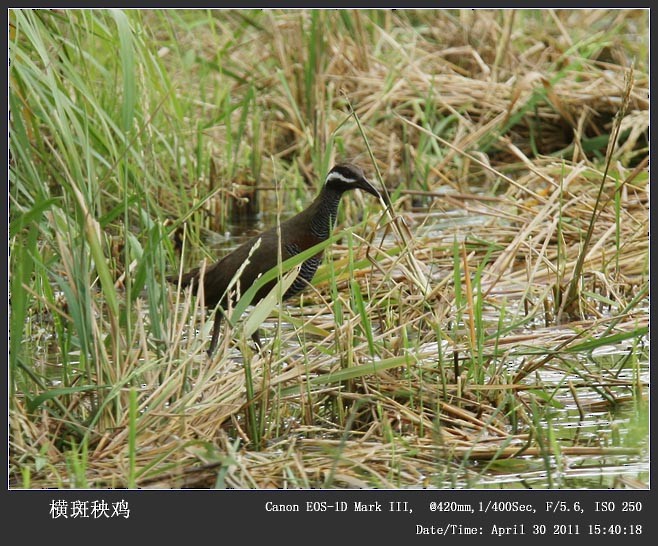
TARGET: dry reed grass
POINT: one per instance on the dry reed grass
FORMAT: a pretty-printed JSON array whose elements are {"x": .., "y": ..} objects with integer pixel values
[{"x": 523, "y": 100}]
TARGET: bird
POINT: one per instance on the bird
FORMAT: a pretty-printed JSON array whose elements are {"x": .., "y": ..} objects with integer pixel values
[{"x": 304, "y": 230}]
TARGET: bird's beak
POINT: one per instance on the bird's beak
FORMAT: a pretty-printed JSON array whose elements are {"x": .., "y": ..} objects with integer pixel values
[{"x": 367, "y": 186}]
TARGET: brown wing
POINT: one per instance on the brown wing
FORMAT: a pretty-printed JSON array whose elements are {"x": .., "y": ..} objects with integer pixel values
[{"x": 295, "y": 238}]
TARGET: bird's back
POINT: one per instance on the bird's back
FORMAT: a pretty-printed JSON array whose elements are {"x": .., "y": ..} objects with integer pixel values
[{"x": 294, "y": 240}]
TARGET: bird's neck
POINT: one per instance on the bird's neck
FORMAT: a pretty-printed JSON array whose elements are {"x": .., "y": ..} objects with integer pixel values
[{"x": 323, "y": 217}]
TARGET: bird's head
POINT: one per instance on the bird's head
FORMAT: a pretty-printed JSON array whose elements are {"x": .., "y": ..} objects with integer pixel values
[{"x": 345, "y": 177}]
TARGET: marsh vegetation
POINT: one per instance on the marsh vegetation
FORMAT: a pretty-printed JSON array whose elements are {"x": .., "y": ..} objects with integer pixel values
[{"x": 490, "y": 329}]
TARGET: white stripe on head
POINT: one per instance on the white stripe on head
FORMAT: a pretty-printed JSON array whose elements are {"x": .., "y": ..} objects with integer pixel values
[{"x": 337, "y": 176}]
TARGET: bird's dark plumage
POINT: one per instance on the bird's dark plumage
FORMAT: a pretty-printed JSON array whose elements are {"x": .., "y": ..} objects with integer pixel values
[{"x": 308, "y": 228}]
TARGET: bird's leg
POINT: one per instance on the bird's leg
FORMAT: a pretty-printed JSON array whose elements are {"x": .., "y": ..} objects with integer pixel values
[
  {"x": 256, "y": 338},
  {"x": 215, "y": 332}
]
